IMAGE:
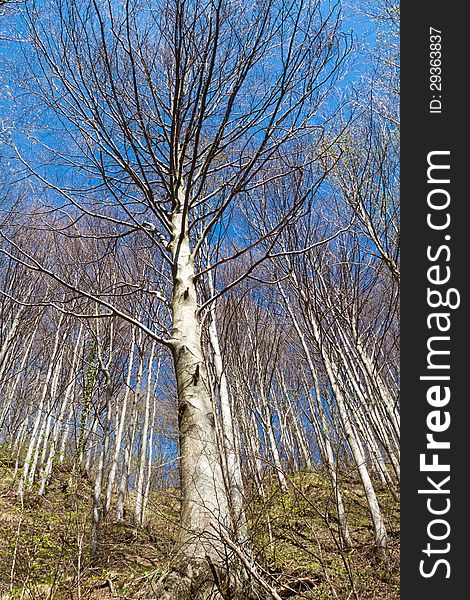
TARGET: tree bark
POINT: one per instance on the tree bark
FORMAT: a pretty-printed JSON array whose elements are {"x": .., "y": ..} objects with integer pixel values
[
  {"x": 120, "y": 431},
  {"x": 232, "y": 458},
  {"x": 139, "y": 494},
  {"x": 204, "y": 497}
]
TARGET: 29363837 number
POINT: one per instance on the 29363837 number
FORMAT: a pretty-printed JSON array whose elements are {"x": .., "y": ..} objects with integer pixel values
[{"x": 435, "y": 68}]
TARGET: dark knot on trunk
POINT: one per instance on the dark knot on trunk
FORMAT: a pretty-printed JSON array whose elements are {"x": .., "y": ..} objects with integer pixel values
[{"x": 196, "y": 375}]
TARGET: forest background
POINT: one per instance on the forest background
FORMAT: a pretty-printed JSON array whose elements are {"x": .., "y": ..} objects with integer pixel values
[{"x": 199, "y": 247}]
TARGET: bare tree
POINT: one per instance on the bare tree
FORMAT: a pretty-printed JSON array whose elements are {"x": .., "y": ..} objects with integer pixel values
[{"x": 171, "y": 114}]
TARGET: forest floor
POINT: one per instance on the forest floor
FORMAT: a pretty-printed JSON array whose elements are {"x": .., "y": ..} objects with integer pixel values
[{"x": 44, "y": 543}]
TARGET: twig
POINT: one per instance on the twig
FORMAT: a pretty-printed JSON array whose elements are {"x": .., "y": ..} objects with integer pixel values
[{"x": 246, "y": 563}]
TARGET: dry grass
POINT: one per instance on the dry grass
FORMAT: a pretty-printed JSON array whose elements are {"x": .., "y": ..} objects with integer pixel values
[{"x": 294, "y": 538}]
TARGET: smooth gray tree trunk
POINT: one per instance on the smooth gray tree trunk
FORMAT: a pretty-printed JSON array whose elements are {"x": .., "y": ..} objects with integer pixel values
[{"x": 204, "y": 498}]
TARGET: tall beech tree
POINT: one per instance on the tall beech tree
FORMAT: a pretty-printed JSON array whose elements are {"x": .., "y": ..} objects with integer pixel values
[{"x": 162, "y": 118}]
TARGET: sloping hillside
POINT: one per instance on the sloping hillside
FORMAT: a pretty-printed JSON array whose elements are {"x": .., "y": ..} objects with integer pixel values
[{"x": 44, "y": 544}]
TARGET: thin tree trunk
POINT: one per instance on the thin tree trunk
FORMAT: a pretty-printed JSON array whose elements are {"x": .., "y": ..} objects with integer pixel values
[
  {"x": 123, "y": 483},
  {"x": 94, "y": 541},
  {"x": 328, "y": 454},
  {"x": 92, "y": 435},
  {"x": 120, "y": 431},
  {"x": 8, "y": 339},
  {"x": 376, "y": 514},
  {"x": 50, "y": 440},
  {"x": 10, "y": 392},
  {"x": 267, "y": 418},
  {"x": 18, "y": 445},
  {"x": 232, "y": 460},
  {"x": 149, "y": 462},
  {"x": 30, "y": 456},
  {"x": 99, "y": 476},
  {"x": 66, "y": 431},
  {"x": 143, "y": 448}
]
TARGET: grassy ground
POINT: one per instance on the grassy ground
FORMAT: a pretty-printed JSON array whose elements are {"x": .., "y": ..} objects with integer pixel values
[{"x": 44, "y": 543}]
